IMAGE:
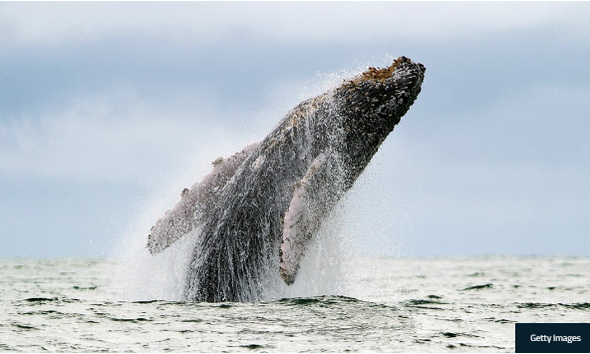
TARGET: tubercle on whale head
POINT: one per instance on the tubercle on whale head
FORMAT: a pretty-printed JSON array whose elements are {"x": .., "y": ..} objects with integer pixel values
[
  {"x": 381, "y": 74},
  {"x": 387, "y": 92}
]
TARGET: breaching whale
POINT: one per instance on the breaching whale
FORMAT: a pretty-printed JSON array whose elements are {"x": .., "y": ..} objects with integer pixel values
[{"x": 257, "y": 210}]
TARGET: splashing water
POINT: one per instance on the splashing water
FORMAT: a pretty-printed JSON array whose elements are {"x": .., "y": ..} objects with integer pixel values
[
  {"x": 333, "y": 137},
  {"x": 324, "y": 269}
]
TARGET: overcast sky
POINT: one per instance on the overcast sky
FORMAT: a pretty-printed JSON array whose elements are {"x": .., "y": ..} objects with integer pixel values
[{"x": 108, "y": 110}]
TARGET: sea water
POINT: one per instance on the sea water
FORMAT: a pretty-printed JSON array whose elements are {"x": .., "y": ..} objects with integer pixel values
[{"x": 380, "y": 304}]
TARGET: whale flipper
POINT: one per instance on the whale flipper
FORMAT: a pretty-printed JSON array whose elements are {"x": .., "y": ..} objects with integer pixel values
[
  {"x": 312, "y": 199},
  {"x": 195, "y": 202}
]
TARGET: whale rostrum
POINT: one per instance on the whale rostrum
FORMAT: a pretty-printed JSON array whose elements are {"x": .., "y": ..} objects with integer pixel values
[{"x": 257, "y": 210}]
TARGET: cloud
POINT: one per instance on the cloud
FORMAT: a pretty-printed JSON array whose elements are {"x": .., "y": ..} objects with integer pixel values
[
  {"x": 114, "y": 137},
  {"x": 55, "y": 23},
  {"x": 508, "y": 179}
]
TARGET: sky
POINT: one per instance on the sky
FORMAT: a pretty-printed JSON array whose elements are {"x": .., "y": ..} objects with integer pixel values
[{"x": 109, "y": 110}]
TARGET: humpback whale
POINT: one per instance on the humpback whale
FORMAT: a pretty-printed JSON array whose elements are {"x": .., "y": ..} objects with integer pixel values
[{"x": 257, "y": 210}]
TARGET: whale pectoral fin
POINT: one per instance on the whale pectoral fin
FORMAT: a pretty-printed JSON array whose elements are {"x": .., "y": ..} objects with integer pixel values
[
  {"x": 176, "y": 223},
  {"x": 195, "y": 202},
  {"x": 312, "y": 200}
]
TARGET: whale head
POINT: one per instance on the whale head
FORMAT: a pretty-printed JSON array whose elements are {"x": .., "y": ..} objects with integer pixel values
[{"x": 372, "y": 104}]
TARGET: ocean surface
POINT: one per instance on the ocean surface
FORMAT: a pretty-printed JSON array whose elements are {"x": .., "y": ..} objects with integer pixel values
[{"x": 452, "y": 304}]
